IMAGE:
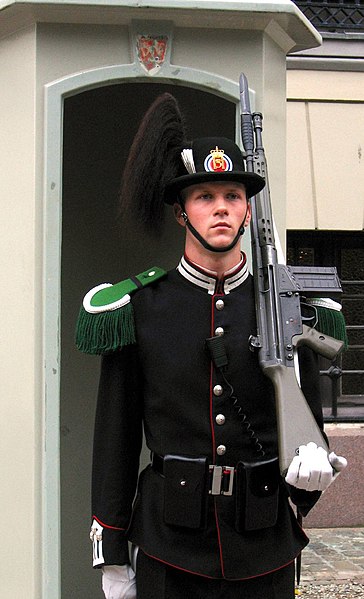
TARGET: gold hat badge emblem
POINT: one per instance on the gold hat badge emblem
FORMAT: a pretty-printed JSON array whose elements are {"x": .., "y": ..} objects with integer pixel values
[{"x": 218, "y": 162}]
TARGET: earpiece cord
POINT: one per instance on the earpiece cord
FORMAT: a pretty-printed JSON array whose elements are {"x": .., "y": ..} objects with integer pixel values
[
  {"x": 244, "y": 419},
  {"x": 218, "y": 355}
]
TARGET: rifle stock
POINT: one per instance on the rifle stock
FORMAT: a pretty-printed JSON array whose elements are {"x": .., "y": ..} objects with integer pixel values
[
  {"x": 278, "y": 290},
  {"x": 295, "y": 422}
]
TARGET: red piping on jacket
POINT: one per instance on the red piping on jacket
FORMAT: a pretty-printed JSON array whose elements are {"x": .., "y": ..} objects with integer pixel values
[
  {"x": 107, "y": 525},
  {"x": 213, "y": 299},
  {"x": 162, "y": 561}
]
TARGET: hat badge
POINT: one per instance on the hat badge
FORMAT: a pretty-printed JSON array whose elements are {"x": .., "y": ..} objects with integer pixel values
[{"x": 217, "y": 161}]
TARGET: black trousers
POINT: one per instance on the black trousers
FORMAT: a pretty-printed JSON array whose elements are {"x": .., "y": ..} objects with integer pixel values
[{"x": 156, "y": 580}]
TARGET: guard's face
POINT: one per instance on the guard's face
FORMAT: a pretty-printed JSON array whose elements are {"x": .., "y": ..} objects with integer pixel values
[{"x": 216, "y": 210}]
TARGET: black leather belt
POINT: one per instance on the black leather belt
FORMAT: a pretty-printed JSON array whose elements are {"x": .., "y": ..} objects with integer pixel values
[
  {"x": 157, "y": 463},
  {"x": 221, "y": 478}
]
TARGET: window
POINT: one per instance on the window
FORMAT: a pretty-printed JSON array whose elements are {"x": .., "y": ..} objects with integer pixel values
[{"x": 343, "y": 381}]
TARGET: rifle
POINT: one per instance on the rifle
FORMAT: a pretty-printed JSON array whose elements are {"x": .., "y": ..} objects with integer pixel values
[{"x": 278, "y": 292}]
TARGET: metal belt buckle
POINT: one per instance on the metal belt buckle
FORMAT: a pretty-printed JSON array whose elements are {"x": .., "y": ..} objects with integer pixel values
[{"x": 222, "y": 480}]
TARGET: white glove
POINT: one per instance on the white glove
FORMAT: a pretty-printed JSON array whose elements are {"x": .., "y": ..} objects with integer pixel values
[
  {"x": 118, "y": 582},
  {"x": 313, "y": 469}
]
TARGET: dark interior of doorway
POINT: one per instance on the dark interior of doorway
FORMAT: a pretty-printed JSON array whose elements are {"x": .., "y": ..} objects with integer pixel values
[{"x": 99, "y": 125}]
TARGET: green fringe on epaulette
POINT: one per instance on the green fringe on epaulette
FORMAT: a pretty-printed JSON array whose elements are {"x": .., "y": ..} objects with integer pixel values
[
  {"x": 332, "y": 322},
  {"x": 105, "y": 332}
]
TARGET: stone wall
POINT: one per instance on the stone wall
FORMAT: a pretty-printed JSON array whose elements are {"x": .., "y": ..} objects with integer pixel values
[{"x": 342, "y": 505}]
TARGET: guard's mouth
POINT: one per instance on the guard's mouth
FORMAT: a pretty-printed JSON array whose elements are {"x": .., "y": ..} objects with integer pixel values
[{"x": 221, "y": 224}]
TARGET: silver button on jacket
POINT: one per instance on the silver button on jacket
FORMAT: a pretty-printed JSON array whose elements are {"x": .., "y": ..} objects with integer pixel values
[
  {"x": 220, "y": 419},
  {"x": 218, "y": 390}
]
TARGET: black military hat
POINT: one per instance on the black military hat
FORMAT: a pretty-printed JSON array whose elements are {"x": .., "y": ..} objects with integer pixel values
[{"x": 210, "y": 159}]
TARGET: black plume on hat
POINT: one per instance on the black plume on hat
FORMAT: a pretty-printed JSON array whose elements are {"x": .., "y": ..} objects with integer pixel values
[{"x": 153, "y": 161}]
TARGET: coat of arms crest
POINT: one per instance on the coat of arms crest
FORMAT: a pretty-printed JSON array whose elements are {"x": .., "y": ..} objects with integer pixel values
[{"x": 151, "y": 50}]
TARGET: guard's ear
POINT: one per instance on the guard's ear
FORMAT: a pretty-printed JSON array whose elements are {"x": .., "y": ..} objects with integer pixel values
[
  {"x": 248, "y": 215},
  {"x": 177, "y": 209}
]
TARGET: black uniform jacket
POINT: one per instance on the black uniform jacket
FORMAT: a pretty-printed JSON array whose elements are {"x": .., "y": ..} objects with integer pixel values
[{"x": 167, "y": 383}]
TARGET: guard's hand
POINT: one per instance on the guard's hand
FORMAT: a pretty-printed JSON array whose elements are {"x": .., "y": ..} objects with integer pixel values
[
  {"x": 118, "y": 582},
  {"x": 313, "y": 469}
]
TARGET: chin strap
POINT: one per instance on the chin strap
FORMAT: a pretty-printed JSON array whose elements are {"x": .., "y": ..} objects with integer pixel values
[{"x": 203, "y": 241}]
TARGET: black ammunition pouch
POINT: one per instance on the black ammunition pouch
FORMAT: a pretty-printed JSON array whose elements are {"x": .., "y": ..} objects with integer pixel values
[
  {"x": 189, "y": 481},
  {"x": 185, "y": 491},
  {"x": 257, "y": 490}
]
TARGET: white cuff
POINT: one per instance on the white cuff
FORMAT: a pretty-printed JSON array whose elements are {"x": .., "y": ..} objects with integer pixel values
[{"x": 96, "y": 538}]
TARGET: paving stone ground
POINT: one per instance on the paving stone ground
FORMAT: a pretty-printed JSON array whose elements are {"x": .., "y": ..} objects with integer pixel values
[{"x": 333, "y": 555}]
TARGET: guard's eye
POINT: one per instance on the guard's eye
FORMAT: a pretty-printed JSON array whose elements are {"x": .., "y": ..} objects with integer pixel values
[
  {"x": 233, "y": 196},
  {"x": 205, "y": 196}
]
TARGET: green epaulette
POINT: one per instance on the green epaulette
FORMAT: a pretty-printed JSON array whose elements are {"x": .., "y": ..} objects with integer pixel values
[
  {"x": 106, "y": 319},
  {"x": 329, "y": 318}
]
